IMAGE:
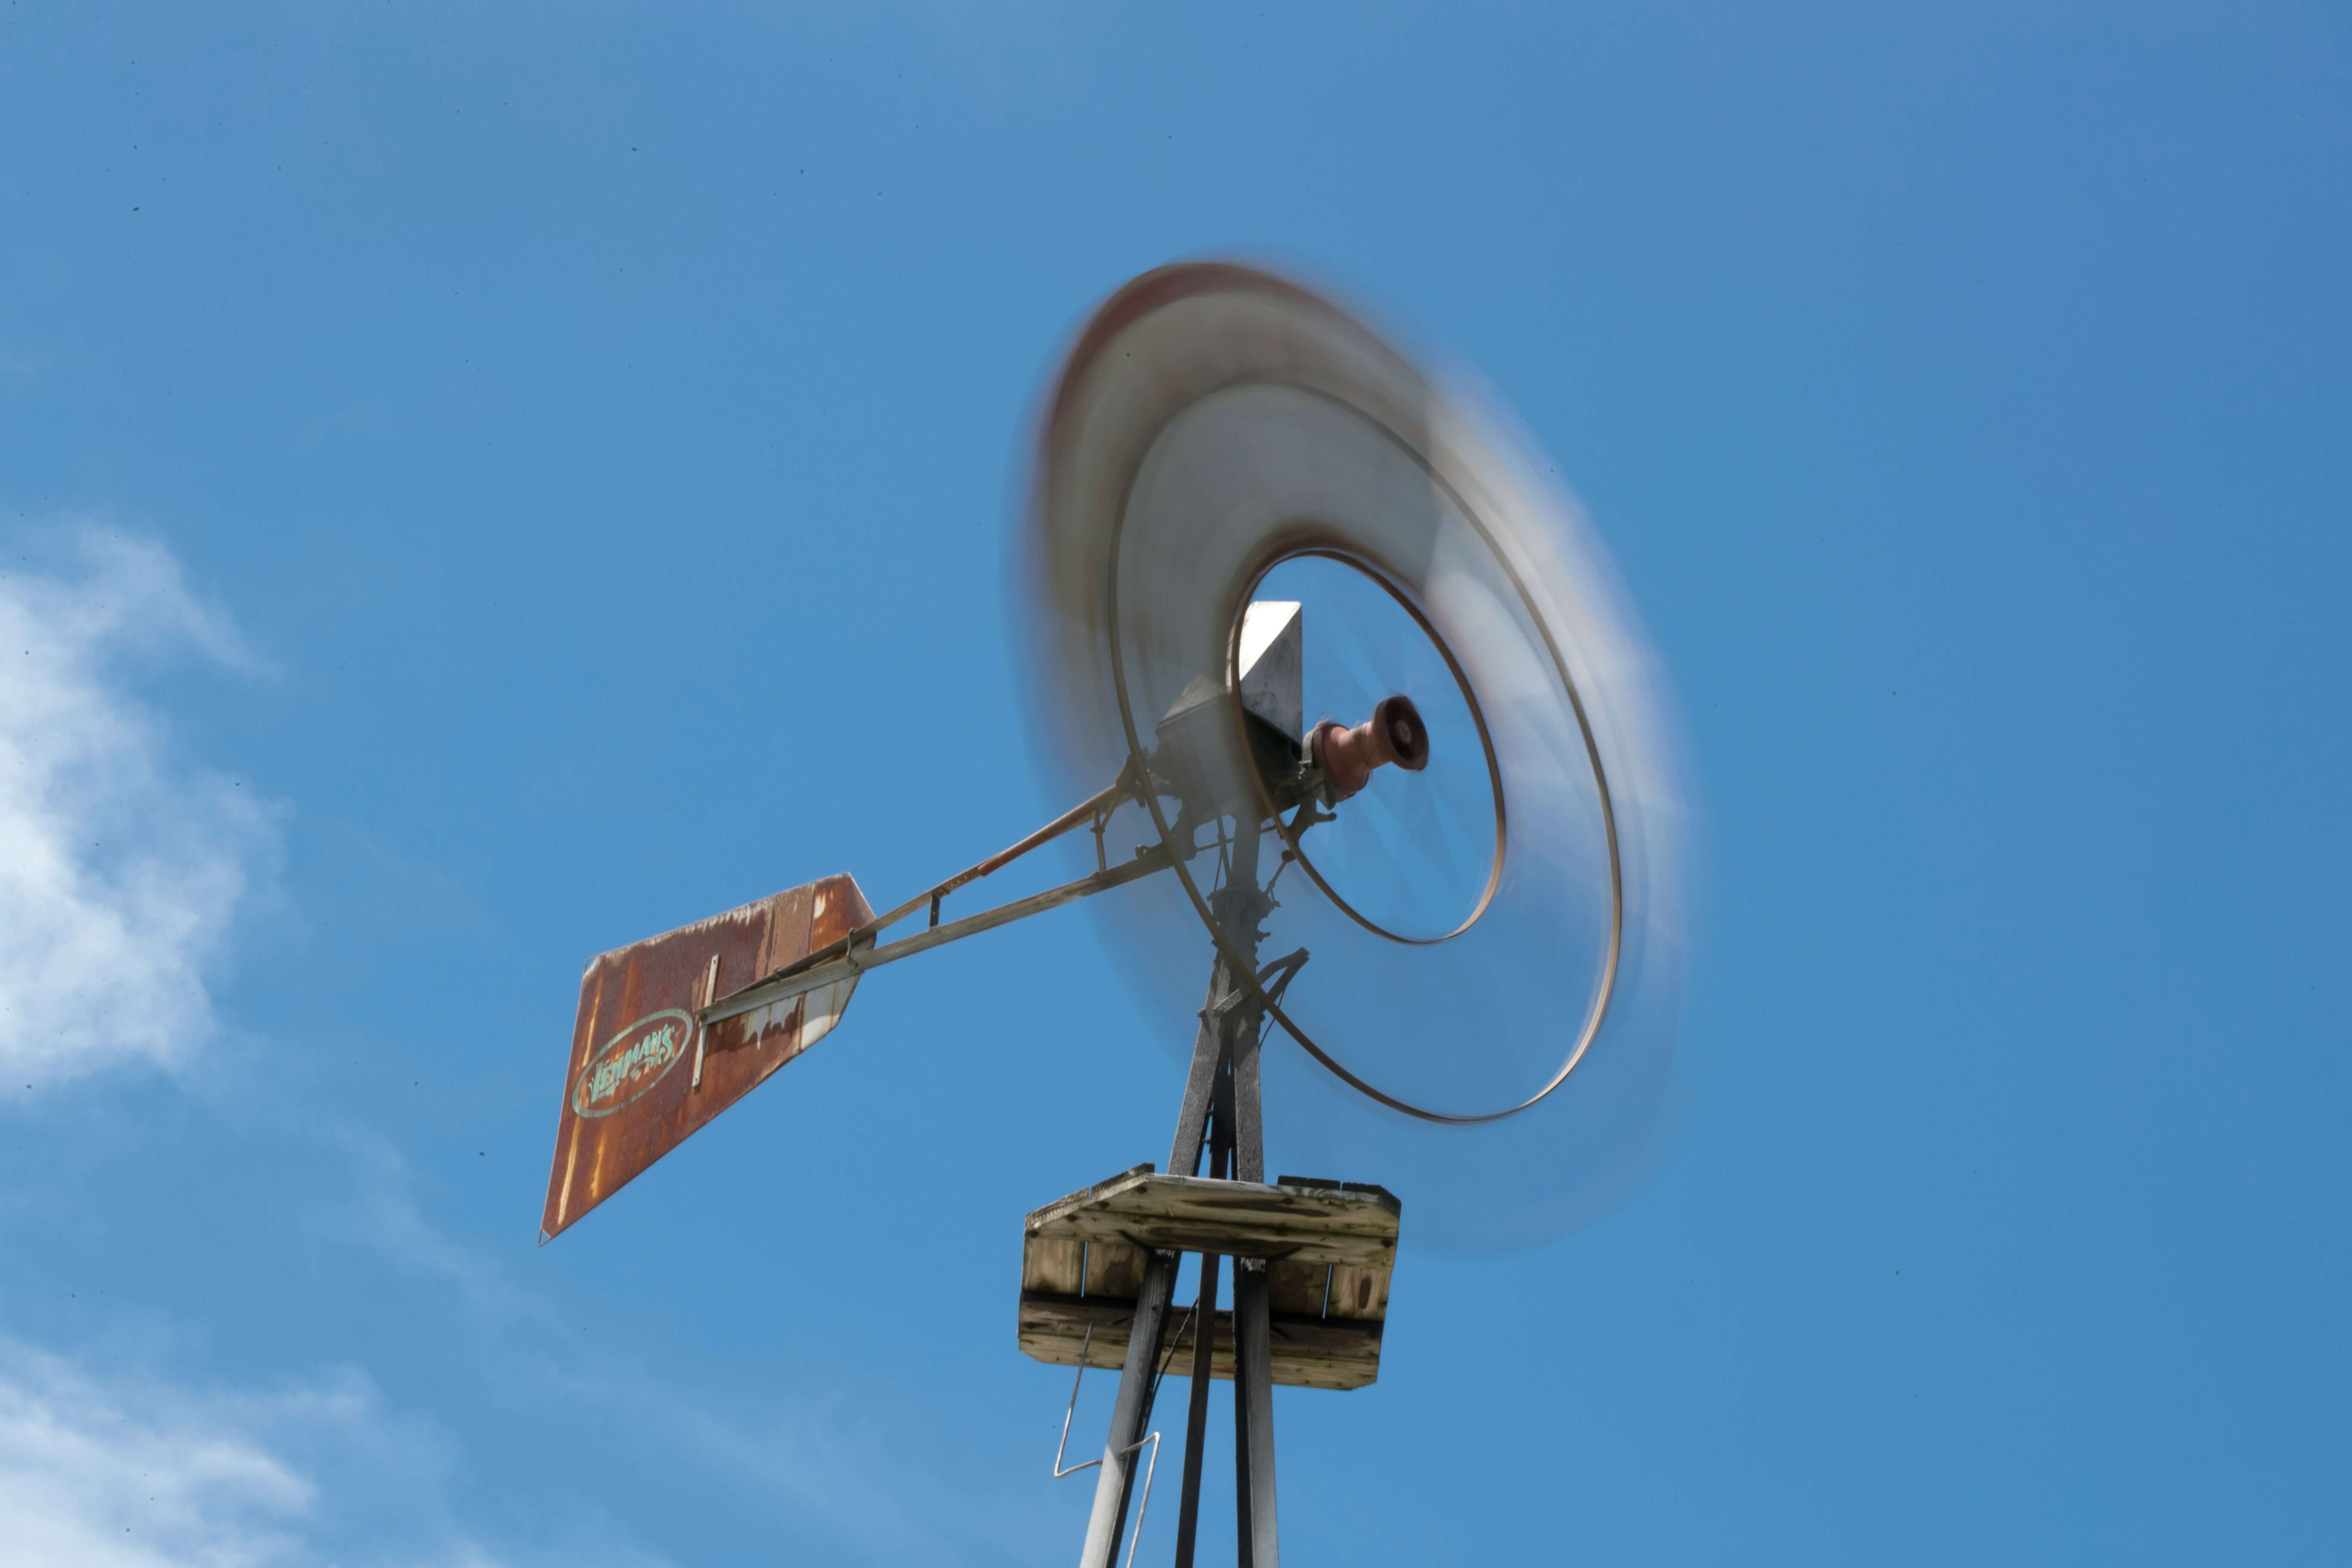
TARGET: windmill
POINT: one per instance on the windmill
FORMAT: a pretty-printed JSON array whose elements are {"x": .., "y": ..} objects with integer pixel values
[{"x": 1249, "y": 508}]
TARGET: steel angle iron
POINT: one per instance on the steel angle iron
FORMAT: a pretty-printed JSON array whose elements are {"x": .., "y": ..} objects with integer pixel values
[{"x": 1213, "y": 428}]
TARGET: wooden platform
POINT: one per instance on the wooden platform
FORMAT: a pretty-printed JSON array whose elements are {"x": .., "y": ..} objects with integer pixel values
[{"x": 1329, "y": 1246}]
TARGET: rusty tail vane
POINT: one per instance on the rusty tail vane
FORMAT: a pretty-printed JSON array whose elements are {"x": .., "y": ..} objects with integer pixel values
[{"x": 674, "y": 1029}]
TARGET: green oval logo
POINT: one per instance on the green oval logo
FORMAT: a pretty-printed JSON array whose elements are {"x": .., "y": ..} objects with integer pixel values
[{"x": 631, "y": 1063}]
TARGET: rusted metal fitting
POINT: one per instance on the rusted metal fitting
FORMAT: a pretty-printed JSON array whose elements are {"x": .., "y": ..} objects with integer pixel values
[{"x": 1394, "y": 733}]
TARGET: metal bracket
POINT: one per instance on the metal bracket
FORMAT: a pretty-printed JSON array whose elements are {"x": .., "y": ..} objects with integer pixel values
[
  {"x": 1280, "y": 973},
  {"x": 710, "y": 995}
]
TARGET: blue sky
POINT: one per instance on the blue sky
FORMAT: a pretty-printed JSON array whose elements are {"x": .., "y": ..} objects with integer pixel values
[{"x": 482, "y": 485}]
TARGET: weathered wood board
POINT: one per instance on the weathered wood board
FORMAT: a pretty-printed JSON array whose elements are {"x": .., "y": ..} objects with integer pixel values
[
  {"x": 1308, "y": 1353},
  {"x": 1330, "y": 1248},
  {"x": 1354, "y": 1226},
  {"x": 1298, "y": 1288}
]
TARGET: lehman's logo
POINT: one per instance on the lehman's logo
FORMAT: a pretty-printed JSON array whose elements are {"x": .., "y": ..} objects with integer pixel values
[{"x": 632, "y": 1062}]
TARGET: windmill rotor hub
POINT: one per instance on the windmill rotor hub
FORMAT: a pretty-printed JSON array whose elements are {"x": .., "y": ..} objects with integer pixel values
[{"x": 1394, "y": 735}]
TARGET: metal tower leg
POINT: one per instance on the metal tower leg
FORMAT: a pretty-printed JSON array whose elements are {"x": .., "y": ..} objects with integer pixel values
[
  {"x": 1130, "y": 1413},
  {"x": 1252, "y": 1337},
  {"x": 1196, "y": 1421},
  {"x": 1254, "y": 1416}
]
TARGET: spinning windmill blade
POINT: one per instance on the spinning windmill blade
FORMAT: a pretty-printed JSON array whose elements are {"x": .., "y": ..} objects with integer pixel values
[
  {"x": 1356, "y": 716},
  {"x": 1477, "y": 932}
]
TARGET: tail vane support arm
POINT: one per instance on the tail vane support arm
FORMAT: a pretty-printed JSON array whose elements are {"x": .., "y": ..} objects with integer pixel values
[{"x": 861, "y": 950}]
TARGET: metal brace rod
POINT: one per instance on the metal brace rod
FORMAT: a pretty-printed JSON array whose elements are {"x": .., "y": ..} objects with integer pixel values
[
  {"x": 860, "y": 949},
  {"x": 1003, "y": 857},
  {"x": 1144, "y": 1504},
  {"x": 857, "y": 952},
  {"x": 1085, "y": 1346}
]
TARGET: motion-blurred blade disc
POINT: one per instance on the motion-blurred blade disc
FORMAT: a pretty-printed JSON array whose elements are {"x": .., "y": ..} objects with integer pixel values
[{"x": 1477, "y": 932}]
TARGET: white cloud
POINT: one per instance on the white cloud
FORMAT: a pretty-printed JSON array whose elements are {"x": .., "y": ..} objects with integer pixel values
[
  {"x": 129, "y": 1472},
  {"x": 119, "y": 869}
]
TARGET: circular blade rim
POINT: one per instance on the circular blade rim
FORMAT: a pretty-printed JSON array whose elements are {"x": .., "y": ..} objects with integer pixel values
[{"x": 1174, "y": 284}]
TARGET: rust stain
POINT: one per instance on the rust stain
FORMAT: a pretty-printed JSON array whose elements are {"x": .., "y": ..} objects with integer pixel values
[{"x": 629, "y": 1094}]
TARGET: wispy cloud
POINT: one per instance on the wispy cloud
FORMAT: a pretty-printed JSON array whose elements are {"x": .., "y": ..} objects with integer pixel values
[
  {"x": 812, "y": 1461},
  {"x": 128, "y": 1471},
  {"x": 120, "y": 868}
]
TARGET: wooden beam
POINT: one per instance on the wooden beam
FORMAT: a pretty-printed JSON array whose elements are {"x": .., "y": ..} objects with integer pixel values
[
  {"x": 1114, "y": 1269},
  {"x": 1308, "y": 1353},
  {"x": 1298, "y": 1288},
  {"x": 1356, "y": 1228},
  {"x": 1057, "y": 1266},
  {"x": 1358, "y": 1293}
]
